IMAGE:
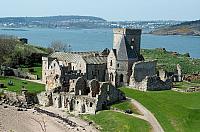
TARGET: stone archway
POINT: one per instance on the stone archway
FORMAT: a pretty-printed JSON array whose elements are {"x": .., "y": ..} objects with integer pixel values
[
  {"x": 94, "y": 87},
  {"x": 72, "y": 102}
]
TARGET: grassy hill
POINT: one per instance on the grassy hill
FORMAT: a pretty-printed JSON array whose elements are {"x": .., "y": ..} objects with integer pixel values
[
  {"x": 186, "y": 28},
  {"x": 14, "y": 53},
  {"x": 169, "y": 60},
  {"x": 176, "y": 112}
]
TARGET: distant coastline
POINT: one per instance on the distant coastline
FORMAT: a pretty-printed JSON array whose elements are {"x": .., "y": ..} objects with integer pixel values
[
  {"x": 191, "y": 28},
  {"x": 14, "y": 29}
]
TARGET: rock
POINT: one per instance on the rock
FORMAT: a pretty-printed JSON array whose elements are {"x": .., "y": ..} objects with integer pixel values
[
  {"x": 128, "y": 111},
  {"x": 5, "y": 106},
  {"x": 19, "y": 109}
]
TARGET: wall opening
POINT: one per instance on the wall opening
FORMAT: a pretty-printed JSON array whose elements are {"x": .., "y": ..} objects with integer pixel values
[
  {"x": 121, "y": 78},
  {"x": 111, "y": 63}
]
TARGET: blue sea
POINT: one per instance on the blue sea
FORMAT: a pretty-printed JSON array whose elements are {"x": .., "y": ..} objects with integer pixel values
[{"x": 99, "y": 39}]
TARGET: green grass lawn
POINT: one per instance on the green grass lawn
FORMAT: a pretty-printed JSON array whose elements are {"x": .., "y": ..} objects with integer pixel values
[
  {"x": 125, "y": 105},
  {"x": 37, "y": 71},
  {"x": 30, "y": 86},
  {"x": 175, "y": 111},
  {"x": 111, "y": 121},
  {"x": 185, "y": 85}
]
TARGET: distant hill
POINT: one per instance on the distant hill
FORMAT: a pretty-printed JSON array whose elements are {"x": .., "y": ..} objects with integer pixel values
[
  {"x": 185, "y": 28},
  {"x": 53, "y": 21},
  {"x": 50, "y": 19}
]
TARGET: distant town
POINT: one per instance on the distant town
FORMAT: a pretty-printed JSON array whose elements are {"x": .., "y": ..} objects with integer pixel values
[{"x": 76, "y": 22}]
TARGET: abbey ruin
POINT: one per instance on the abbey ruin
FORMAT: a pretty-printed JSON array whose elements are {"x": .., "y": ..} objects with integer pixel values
[{"x": 86, "y": 82}]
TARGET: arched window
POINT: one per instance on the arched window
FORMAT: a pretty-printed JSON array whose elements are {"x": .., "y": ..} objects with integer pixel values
[
  {"x": 111, "y": 63},
  {"x": 111, "y": 77},
  {"x": 121, "y": 78}
]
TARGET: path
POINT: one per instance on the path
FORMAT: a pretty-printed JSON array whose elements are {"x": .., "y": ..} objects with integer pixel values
[
  {"x": 147, "y": 115},
  {"x": 36, "y": 81}
]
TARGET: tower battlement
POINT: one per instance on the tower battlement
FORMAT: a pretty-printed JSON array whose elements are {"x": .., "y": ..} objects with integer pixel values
[{"x": 125, "y": 31}]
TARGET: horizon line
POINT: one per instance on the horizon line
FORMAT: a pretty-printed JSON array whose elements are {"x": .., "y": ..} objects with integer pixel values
[{"x": 109, "y": 20}]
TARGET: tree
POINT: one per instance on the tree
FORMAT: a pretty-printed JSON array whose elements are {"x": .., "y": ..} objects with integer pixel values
[
  {"x": 7, "y": 46},
  {"x": 60, "y": 46}
]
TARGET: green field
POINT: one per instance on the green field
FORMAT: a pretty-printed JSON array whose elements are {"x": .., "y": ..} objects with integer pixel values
[
  {"x": 168, "y": 61},
  {"x": 124, "y": 106},
  {"x": 110, "y": 121},
  {"x": 37, "y": 71},
  {"x": 185, "y": 85},
  {"x": 17, "y": 85},
  {"x": 175, "y": 111}
]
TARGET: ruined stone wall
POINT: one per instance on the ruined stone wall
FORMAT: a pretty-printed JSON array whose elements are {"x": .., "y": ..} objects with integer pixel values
[
  {"x": 144, "y": 77},
  {"x": 24, "y": 97},
  {"x": 152, "y": 83},
  {"x": 87, "y": 97},
  {"x": 108, "y": 95},
  {"x": 142, "y": 69},
  {"x": 45, "y": 67},
  {"x": 81, "y": 86},
  {"x": 85, "y": 104},
  {"x": 53, "y": 75},
  {"x": 74, "y": 104},
  {"x": 45, "y": 98},
  {"x": 96, "y": 72}
]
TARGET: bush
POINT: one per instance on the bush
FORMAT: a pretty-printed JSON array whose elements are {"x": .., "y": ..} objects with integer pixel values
[{"x": 31, "y": 69}]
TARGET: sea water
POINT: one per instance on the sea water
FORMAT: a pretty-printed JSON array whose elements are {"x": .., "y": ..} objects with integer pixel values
[{"x": 99, "y": 39}]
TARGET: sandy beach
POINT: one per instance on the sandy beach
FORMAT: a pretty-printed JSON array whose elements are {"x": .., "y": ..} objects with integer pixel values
[{"x": 12, "y": 120}]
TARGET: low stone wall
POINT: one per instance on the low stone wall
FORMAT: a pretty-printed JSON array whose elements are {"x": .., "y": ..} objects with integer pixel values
[
  {"x": 17, "y": 73},
  {"x": 24, "y": 99},
  {"x": 188, "y": 90},
  {"x": 22, "y": 74}
]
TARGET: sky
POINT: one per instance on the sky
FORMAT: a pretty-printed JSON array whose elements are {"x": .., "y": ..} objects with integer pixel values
[{"x": 118, "y": 10}]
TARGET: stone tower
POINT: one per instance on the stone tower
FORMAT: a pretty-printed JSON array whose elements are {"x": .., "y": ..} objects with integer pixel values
[{"x": 126, "y": 51}]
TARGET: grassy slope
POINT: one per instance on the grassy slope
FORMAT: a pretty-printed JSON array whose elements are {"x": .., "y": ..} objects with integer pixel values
[
  {"x": 185, "y": 85},
  {"x": 31, "y": 86},
  {"x": 175, "y": 111},
  {"x": 31, "y": 48},
  {"x": 168, "y": 61},
  {"x": 126, "y": 105},
  {"x": 111, "y": 121}
]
